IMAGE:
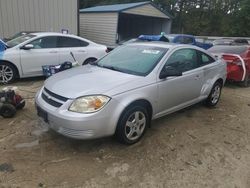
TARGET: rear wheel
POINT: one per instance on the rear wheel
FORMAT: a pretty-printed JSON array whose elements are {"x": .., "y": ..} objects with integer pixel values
[
  {"x": 8, "y": 73},
  {"x": 214, "y": 96},
  {"x": 132, "y": 125}
]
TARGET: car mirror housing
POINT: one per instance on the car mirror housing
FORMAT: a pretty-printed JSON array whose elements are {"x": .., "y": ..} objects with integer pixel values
[
  {"x": 27, "y": 47},
  {"x": 169, "y": 71}
]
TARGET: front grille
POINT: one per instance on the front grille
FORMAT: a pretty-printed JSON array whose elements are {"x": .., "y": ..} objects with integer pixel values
[
  {"x": 50, "y": 101},
  {"x": 52, "y": 98},
  {"x": 61, "y": 98}
]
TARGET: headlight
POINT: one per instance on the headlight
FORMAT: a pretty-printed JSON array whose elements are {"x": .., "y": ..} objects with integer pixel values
[{"x": 89, "y": 104}]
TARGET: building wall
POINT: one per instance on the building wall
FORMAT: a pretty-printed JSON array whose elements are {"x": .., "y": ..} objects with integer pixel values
[
  {"x": 37, "y": 15},
  {"x": 99, "y": 27}
]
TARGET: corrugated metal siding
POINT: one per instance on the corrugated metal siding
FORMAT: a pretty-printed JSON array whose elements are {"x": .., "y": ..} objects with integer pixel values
[
  {"x": 99, "y": 27},
  {"x": 146, "y": 10},
  {"x": 37, "y": 15}
]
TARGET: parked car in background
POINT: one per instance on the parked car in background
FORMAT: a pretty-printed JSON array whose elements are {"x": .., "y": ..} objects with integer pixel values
[
  {"x": 26, "y": 54},
  {"x": 18, "y": 35},
  {"x": 120, "y": 94},
  {"x": 228, "y": 41},
  {"x": 238, "y": 62},
  {"x": 176, "y": 38}
]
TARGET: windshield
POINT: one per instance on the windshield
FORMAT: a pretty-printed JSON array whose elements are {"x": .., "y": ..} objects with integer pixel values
[
  {"x": 228, "y": 49},
  {"x": 19, "y": 40},
  {"x": 133, "y": 59}
]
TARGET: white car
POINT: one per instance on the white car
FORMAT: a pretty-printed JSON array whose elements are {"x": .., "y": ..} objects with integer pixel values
[{"x": 26, "y": 55}]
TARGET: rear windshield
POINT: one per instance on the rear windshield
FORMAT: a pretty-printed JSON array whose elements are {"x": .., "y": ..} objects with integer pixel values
[
  {"x": 170, "y": 37},
  {"x": 228, "y": 49}
]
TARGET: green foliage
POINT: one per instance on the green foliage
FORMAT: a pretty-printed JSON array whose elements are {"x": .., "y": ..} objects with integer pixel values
[{"x": 199, "y": 17}]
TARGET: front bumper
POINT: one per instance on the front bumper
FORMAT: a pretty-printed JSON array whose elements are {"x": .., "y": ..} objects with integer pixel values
[{"x": 77, "y": 125}]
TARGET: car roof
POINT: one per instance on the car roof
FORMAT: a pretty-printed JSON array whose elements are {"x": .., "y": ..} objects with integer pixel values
[
  {"x": 51, "y": 34},
  {"x": 161, "y": 44},
  {"x": 44, "y": 34}
]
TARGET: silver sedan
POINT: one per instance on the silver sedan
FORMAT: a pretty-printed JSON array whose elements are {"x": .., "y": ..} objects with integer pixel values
[{"x": 121, "y": 93}]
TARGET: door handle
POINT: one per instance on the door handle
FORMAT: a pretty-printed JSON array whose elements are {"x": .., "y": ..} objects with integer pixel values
[{"x": 53, "y": 52}]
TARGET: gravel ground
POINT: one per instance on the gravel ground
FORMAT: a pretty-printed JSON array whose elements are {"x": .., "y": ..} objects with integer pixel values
[{"x": 196, "y": 147}]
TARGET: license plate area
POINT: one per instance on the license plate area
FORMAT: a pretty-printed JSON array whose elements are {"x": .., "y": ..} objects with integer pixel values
[{"x": 41, "y": 113}]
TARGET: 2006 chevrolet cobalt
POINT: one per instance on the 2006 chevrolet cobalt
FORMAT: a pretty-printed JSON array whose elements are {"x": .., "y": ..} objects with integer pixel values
[{"x": 121, "y": 93}]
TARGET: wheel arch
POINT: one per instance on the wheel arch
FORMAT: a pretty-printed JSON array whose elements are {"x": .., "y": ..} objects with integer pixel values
[
  {"x": 17, "y": 70},
  {"x": 89, "y": 58},
  {"x": 220, "y": 80},
  {"x": 141, "y": 102}
]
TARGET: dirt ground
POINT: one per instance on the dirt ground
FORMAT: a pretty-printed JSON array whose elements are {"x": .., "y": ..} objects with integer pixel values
[{"x": 197, "y": 147}]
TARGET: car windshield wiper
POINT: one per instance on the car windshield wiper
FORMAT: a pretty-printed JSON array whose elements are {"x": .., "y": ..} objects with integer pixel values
[
  {"x": 95, "y": 63},
  {"x": 112, "y": 68}
]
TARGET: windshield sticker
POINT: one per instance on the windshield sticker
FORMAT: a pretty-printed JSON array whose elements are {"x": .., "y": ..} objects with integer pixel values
[{"x": 155, "y": 52}]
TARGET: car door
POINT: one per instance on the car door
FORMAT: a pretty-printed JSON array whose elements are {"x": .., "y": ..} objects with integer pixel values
[
  {"x": 178, "y": 92},
  {"x": 76, "y": 46},
  {"x": 44, "y": 52}
]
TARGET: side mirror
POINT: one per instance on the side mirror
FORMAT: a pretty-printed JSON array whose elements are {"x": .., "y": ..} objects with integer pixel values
[
  {"x": 168, "y": 71},
  {"x": 27, "y": 47}
]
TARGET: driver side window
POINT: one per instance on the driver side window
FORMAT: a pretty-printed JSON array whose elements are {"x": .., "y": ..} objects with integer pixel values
[
  {"x": 183, "y": 60},
  {"x": 45, "y": 42}
]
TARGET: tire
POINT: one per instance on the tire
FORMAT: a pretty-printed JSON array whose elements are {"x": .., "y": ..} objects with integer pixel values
[
  {"x": 90, "y": 60},
  {"x": 132, "y": 125},
  {"x": 8, "y": 111},
  {"x": 246, "y": 81},
  {"x": 214, "y": 95},
  {"x": 8, "y": 73}
]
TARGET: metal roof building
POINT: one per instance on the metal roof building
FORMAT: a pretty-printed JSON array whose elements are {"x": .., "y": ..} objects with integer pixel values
[
  {"x": 112, "y": 24},
  {"x": 38, "y": 15}
]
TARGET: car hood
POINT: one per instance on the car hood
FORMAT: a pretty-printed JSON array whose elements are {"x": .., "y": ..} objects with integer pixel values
[{"x": 88, "y": 80}]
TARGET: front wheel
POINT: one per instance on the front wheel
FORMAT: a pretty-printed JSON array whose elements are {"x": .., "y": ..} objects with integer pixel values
[
  {"x": 7, "y": 73},
  {"x": 132, "y": 125},
  {"x": 214, "y": 96}
]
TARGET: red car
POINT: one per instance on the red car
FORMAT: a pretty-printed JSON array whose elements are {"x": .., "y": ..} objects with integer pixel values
[{"x": 238, "y": 62}]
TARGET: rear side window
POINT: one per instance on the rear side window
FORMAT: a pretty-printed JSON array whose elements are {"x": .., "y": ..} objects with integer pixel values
[
  {"x": 68, "y": 42},
  {"x": 204, "y": 59}
]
